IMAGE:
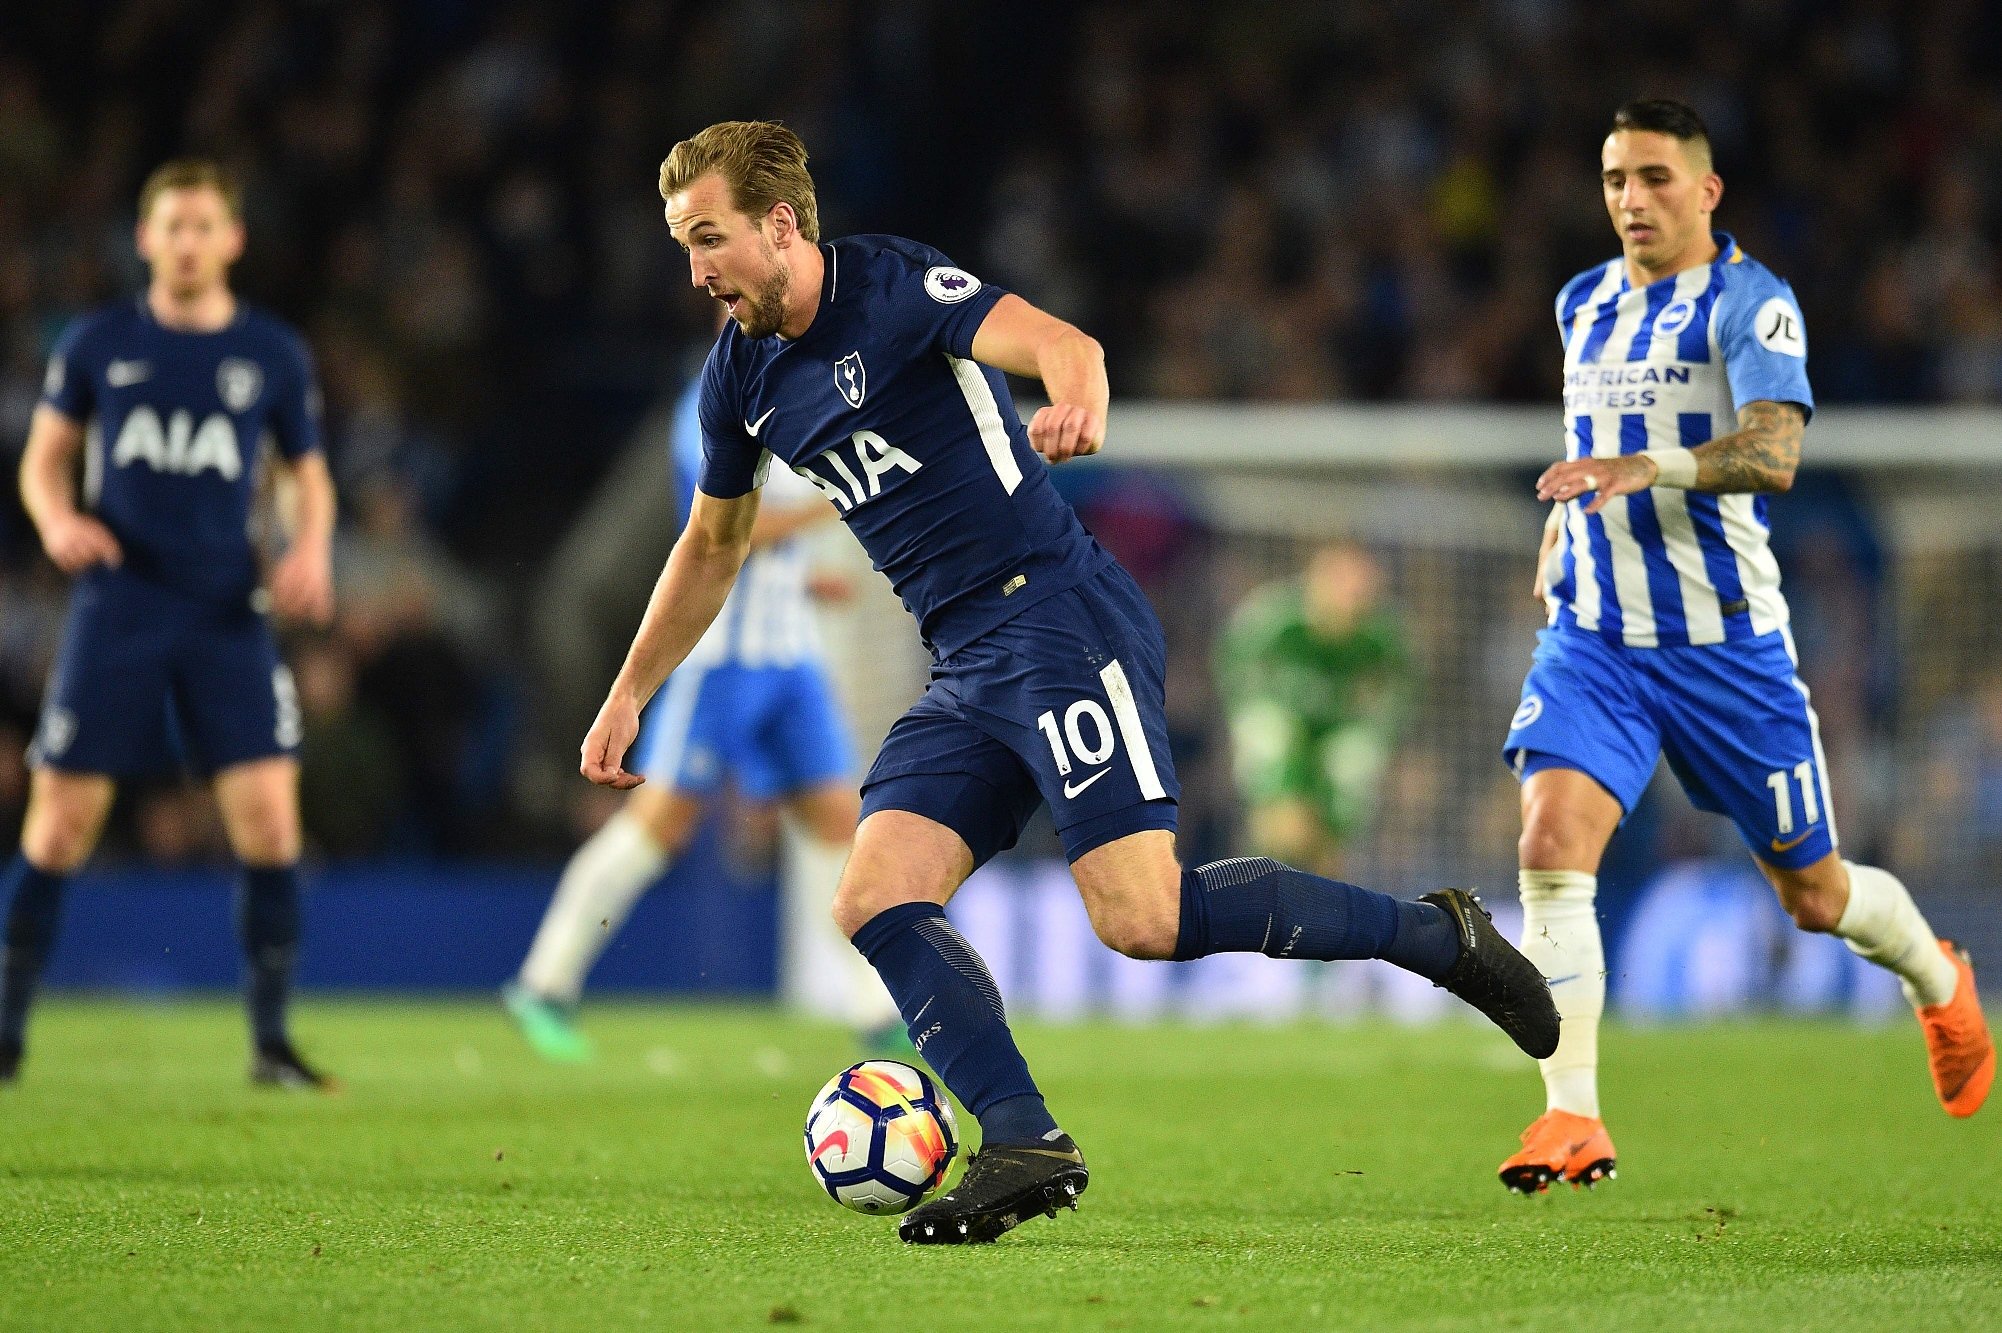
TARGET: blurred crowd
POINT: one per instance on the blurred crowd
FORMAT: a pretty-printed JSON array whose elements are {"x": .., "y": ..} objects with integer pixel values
[
  {"x": 1244, "y": 201},
  {"x": 1370, "y": 201}
]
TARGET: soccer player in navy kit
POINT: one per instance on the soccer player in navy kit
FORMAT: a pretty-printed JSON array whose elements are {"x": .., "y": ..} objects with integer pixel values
[
  {"x": 873, "y": 366},
  {"x": 168, "y": 655}
]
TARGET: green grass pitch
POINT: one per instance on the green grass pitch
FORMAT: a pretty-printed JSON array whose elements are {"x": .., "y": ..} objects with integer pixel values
[{"x": 1773, "y": 1175}]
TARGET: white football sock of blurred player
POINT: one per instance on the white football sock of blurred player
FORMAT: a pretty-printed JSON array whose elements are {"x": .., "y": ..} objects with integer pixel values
[
  {"x": 602, "y": 881},
  {"x": 819, "y": 970}
]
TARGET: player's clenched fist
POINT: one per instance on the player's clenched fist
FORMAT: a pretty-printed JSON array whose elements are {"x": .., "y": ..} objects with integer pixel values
[
  {"x": 77, "y": 541},
  {"x": 618, "y": 725},
  {"x": 1062, "y": 431},
  {"x": 1609, "y": 477}
]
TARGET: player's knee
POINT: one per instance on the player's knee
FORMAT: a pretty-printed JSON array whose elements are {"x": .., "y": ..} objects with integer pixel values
[
  {"x": 1555, "y": 840},
  {"x": 855, "y": 906},
  {"x": 832, "y": 826},
  {"x": 1567, "y": 818},
  {"x": 266, "y": 837},
  {"x": 58, "y": 843},
  {"x": 666, "y": 817},
  {"x": 58, "y": 836},
  {"x": 1137, "y": 934},
  {"x": 1813, "y": 910}
]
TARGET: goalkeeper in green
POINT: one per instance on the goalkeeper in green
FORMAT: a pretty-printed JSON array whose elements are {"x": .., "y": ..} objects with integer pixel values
[{"x": 1317, "y": 680}]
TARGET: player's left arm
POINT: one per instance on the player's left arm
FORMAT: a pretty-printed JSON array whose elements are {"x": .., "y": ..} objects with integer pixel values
[
  {"x": 1759, "y": 457},
  {"x": 302, "y": 582},
  {"x": 1763, "y": 343},
  {"x": 686, "y": 598},
  {"x": 1018, "y": 338}
]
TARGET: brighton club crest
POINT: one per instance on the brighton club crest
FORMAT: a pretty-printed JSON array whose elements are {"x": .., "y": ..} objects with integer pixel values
[{"x": 851, "y": 379}]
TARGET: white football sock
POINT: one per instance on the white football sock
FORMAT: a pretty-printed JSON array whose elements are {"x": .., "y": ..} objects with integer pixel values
[
  {"x": 1882, "y": 923},
  {"x": 819, "y": 970},
  {"x": 1560, "y": 934},
  {"x": 603, "y": 880}
]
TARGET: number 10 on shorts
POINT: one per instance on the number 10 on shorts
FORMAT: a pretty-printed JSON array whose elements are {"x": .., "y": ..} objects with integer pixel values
[
  {"x": 1090, "y": 753},
  {"x": 1088, "y": 737},
  {"x": 1802, "y": 776}
]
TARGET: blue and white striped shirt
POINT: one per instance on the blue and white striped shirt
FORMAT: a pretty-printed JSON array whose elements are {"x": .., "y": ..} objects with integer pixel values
[
  {"x": 768, "y": 620},
  {"x": 1660, "y": 367}
]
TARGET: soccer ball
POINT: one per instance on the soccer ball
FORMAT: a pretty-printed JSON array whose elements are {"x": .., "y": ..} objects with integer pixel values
[{"x": 880, "y": 1136}]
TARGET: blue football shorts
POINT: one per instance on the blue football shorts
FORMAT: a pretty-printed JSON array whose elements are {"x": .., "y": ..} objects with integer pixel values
[
  {"x": 152, "y": 680},
  {"x": 776, "y": 730},
  {"x": 1063, "y": 705},
  {"x": 1733, "y": 720}
]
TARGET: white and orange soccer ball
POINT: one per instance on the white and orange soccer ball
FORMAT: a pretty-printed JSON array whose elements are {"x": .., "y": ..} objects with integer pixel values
[{"x": 880, "y": 1136}]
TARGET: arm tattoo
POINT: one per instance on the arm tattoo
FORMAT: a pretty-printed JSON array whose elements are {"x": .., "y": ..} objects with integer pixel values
[{"x": 1760, "y": 456}]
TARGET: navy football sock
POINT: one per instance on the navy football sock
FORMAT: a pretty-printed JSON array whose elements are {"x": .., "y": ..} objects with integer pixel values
[
  {"x": 35, "y": 900},
  {"x": 1256, "y": 905},
  {"x": 953, "y": 1010},
  {"x": 268, "y": 909}
]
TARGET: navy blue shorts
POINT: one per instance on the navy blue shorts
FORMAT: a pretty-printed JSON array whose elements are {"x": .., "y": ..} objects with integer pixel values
[
  {"x": 151, "y": 680},
  {"x": 1732, "y": 719},
  {"x": 1064, "y": 705}
]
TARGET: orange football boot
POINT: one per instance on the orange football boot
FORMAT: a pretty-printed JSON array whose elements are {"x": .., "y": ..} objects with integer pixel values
[
  {"x": 1560, "y": 1145},
  {"x": 1957, "y": 1042}
]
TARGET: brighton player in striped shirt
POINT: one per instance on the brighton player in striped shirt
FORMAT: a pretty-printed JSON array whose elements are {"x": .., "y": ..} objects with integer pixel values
[
  {"x": 1686, "y": 396},
  {"x": 753, "y": 702}
]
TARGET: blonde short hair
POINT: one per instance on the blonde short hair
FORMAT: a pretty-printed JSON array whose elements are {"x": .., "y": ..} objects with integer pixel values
[
  {"x": 191, "y": 173},
  {"x": 762, "y": 162}
]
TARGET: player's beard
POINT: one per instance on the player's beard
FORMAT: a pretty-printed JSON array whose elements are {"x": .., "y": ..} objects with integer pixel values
[
  {"x": 193, "y": 282},
  {"x": 764, "y": 311}
]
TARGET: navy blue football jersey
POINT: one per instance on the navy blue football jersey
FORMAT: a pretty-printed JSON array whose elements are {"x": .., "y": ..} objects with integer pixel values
[
  {"x": 176, "y": 423},
  {"x": 881, "y": 405}
]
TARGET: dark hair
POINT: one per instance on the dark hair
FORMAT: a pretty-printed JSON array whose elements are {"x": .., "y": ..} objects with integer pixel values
[{"x": 1661, "y": 115}]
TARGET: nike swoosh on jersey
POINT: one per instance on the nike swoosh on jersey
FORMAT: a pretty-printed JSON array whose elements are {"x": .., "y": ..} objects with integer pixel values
[
  {"x": 1070, "y": 791},
  {"x": 1791, "y": 843},
  {"x": 120, "y": 374},
  {"x": 751, "y": 428}
]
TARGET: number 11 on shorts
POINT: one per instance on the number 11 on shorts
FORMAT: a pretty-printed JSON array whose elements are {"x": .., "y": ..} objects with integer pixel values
[{"x": 1803, "y": 776}]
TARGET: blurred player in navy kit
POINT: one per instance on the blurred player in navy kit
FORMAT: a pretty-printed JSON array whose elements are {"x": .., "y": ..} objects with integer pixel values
[{"x": 168, "y": 657}]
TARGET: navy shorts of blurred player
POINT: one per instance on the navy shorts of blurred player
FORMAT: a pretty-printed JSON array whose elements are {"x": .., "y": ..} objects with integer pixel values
[
  {"x": 151, "y": 679},
  {"x": 1064, "y": 704}
]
